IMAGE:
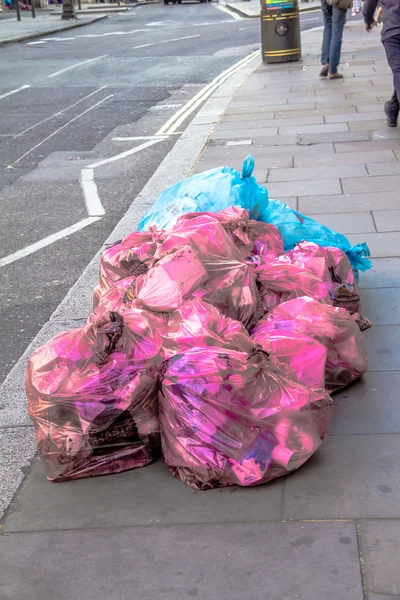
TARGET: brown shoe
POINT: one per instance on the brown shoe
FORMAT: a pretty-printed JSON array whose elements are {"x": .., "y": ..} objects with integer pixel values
[
  {"x": 324, "y": 71},
  {"x": 335, "y": 76}
]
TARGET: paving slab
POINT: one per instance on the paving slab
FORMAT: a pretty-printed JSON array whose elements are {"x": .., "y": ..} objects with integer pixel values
[
  {"x": 347, "y": 223},
  {"x": 252, "y": 561},
  {"x": 314, "y": 129},
  {"x": 304, "y": 188},
  {"x": 386, "y": 168},
  {"x": 383, "y": 347},
  {"x": 307, "y": 173},
  {"x": 368, "y": 126},
  {"x": 228, "y": 134},
  {"x": 387, "y": 220},
  {"x": 381, "y": 550},
  {"x": 381, "y": 244},
  {"x": 369, "y": 406},
  {"x": 277, "y": 122},
  {"x": 354, "y": 158},
  {"x": 302, "y": 113},
  {"x": 350, "y": 477},
  {"x": 347, "y": 203},
  {"x": 385, "y": 272},
  {"x": 367, "y": 146},
  {"x": 350, "y": 117},
  {"x": 382, "y": 306},
  {"x": 335, "y": 137},
  {"x": 148, "y": 496}
]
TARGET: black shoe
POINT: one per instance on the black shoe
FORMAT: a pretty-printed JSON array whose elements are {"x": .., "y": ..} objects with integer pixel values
[{"x": 391, "y": 120}]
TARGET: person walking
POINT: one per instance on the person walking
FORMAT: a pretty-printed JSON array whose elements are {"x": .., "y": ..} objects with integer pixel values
[
  {"x": 391, "y": 42},
  {"x": 334, "y": 16}
]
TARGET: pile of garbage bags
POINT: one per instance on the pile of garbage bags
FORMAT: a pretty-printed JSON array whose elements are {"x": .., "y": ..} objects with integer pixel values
[{"x": 219, "y": 330}]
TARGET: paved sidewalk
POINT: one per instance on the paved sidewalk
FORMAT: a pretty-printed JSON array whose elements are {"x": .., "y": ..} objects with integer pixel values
[
  {"x": 330, "y": 531},
  {"x": 12, "y": 30},
  {"x": 252, "y": 9}
]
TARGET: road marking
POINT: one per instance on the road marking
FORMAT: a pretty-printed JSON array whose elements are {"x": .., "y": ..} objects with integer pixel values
[
  {"x": 34, "y": 43},
  {"x": 59, "y": 129},
  {"x": 181, "y": 115},
  {"x": 248, "y": 28},
  {"x": 85, "y": 62},
  {"x": 107, "y": 161},
  {"x": 186, "y": 37},
  {"x": 47, "y": 241},
  {"x": 164, "y": 106},
  {"x": 228, "y": 12},
  {"x": 61, "y": 111},
  {"x": 135, "y": 138},
  {"x": 23, "y": 87},
  {"x": 93, "y": 203}
]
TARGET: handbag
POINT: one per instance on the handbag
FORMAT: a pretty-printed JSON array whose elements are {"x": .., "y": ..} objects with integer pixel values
[{"x": 343, "y": 4}]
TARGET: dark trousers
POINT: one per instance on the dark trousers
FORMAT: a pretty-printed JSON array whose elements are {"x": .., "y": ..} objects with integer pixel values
[{"x": 392, "y": 49}]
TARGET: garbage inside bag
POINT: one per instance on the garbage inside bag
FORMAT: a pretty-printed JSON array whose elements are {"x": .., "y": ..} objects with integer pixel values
[
  {"x": 295, "y": 227},
  {"x": 230, "y": 417},
  {"x": 164, "y": 287},
  {"x": 332, "y": 266},
  {"x": 126, "y": 258},
  {"x": 305, "y": 355},
  {"x": 92, "y": 395},
  {"x": 209, "y": 191},
  {"x": 200, "y": 324},
  {"x": 230, "y": 283},
  {"x": 279, "y": 281},
  {"x": 334, "y": 327},
  {"x": 252, "y": 238}
]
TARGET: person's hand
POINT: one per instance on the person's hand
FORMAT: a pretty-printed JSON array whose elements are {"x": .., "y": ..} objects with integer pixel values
[{"x": 369, "y": 27}]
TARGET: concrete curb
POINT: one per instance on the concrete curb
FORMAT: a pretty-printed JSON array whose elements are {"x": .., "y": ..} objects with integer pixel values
[
  {"x": 77, "y": 304},
  {"x": 30, "y": 36}
]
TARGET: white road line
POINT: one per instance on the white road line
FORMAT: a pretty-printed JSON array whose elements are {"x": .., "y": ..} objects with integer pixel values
[
  {"x": 228, "y": 12},
  {"x": 179, "y": 117},
  {"x": 61, "y": 111},
  {"x": 186, "y": 37},
  {"x": 135, "y": 138},
  {"x": 106, "y": 161},
  {"x": 47, "y": 241},
  {"x": 85, "y": 62},
  {"x": 23, "y": 87},
  {"x": 93, "y": 203},
  {"x": 60, "y": 129},
  {"x": 247, "y": 28},
  {"x": 34, "y": 43}
]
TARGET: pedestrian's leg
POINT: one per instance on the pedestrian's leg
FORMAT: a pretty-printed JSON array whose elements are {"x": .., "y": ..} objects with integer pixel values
[
  {"x": 338, "y": 21},
  {"x": 326, "y": 40},
  {"x": 392, "y": 49}
]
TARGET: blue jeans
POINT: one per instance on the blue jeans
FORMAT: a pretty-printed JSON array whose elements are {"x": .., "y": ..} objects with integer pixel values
[
  {"x": 334, "y": 21},
  {"x": 392, "y": 48}
]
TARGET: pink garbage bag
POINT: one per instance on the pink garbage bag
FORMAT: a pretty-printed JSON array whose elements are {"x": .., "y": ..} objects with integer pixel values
[
  {"x": 126, "y": 258},
  {"x": 305, "y": 355},
  {"x": 252, "y": 238},
  {"x": 230, "y": 283},
  {"x": 334, "y": 327},
  {"x": 230, "y": 417},
  {"x": 280, "y": 281},
  {"x": 172, "y": 278},
  {"x": 199, "y": 324},
  {"x": 92, "y": 395},
  {"x": 332, "y": 266}
]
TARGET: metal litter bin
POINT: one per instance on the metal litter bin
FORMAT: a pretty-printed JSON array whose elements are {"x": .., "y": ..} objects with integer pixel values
[{"x": 280, "y": 31}]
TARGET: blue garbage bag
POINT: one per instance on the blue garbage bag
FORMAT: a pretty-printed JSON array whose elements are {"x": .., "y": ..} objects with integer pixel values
[
  {"x": 295, "y": 227},
  {"x": 210, "y": 191}
]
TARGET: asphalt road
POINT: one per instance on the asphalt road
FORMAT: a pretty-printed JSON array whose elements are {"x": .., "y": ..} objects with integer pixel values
[{"x": 138, "y": 69}]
